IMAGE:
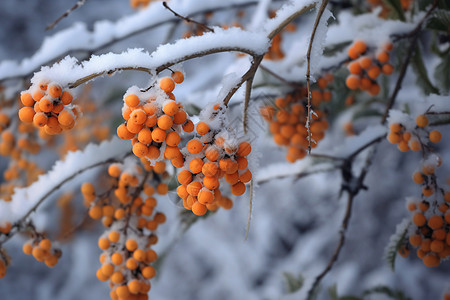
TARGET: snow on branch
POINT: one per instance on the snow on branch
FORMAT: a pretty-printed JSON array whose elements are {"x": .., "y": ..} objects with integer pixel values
[
  {"x": 25, "y": 200},
  {"x": 69, "y": 70},
  {"x": 79, "y": 38}
]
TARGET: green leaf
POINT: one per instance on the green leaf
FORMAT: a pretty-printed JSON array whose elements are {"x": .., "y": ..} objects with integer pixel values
[
  {"x": 339, "y": 47},
  {"x": 396, "y": 241},
  {"x": 442, "y": 73},
  {"x": 394, "y": 294},
  {"x": 294, "y": 283},
  {"x": 440, "y": 21},
  {"x": 397, "y": 8},
  {"x": 332, "y": 292},
  {"x": 422, "y": 75}
]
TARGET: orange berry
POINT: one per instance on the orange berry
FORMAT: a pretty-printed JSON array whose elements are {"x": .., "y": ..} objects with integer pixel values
[
  {"x": 131, "y": 100},
  {"x": 26, "y": 99},
  {"x": 238, "y": 189},
  {"x": 66, "y": 98},
  {"x": 114, "y": 236},
  {"x": 414, "y": 144},
  {"x": 415, "y": 240},
  {"x": 131, "y": 264},
  {"x": 123, "y": 132},
  {"x": 202, "y": 128},
  {"x": 437, "y": 246},
  {"x": 138, "y": 117},
  {"x": 199, "y": 209},
  {"x": 383, "y": 57},
  {"x": 167, "y": 84},
  {"x": 165, "y": 122},
  {"x": 162, "y": 189},
  {"x": 422, "y": 121},
  {"x": 211, "y": 154},
  {"x": 394, "y": 138},
  {"x": 45, "y": 244},
  {"x": 173, "y": 139},
  {"x": 178, "y": 77},
  {"x": 148, "y": 272},
  {"x": 232, "y": 178},
  {"x": 395, "y": 127},
  {"x": 427, "y": 191},
  {"x": 159, "y": 135},
  {"x": 180, "y": 117},
  {"x": 57, "y": 108},
  {"x": 171, "y": 108},
  {"x": 374, "y": 72},
  {"x": 65, "y": 118},
  {"x": 388, "y": 46},
  {"x": 210, "y": 169},
  {"x": 418, "y": 178},
  {"x": 131, "y": 245},
  {"x": 435, "y": 222},
  {"x": 365, "y": 62},
  {"x": 244, "y": 149},
  {"x": 359, "y": 46},
  {"x": 194, "y": 146},
  {"x": 352, "y": 53},
  {"x": 205, "y": 196},
  {"x": 188, "y": 126},
  {"x": 38, "y": 95},
  {"x": 26, "y": 114},
  {"x": 54, "y": 90},
  {"x": 246, "y": 176},
  {"x": 117, "y": 277},
  {"x": 352, "y": 82},
  {"x": 95, "y": 212},
  {"x": 196, "y": 165},
  {"x": 355, "y": 68},
  {"x": 419, "y": 219},
  {"x": 40, "y": 119},
  {"x": 140, "y": 150},
  {"x": 435, "y": 136},
  {"x": 184, "y": 177},
  {"x": 431, "y": 260},
  {"x": 27, "y": 248},
  {"x": 211, "y": 182},
  {"x": 182, "y": 192},
  {"x": 387, "y": 69},
  {"x": 194, "y": 188}
]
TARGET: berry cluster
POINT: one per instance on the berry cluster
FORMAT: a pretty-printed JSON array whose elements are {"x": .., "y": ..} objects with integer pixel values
[
  {"x": 365, "y": 67},
  {"x": 42, "y": 250},
  {"x": 210, "y": 157},
  {"x": 154, "y": 122},
  {"x": 48, "y": 106},
  {"x": 131, "y": 218},
  {"x": 287, "y": 119},
  {"x": 412, "y": 136}
]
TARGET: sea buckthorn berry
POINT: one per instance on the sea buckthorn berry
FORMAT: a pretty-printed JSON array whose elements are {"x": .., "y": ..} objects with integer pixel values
[
  {"x": 355, "y": 68},
  {"x": 414, "y": 144},
  {"x": 54, "y": 90},
  {"x": 65, "y": 118},
  {"x": 394, "y": 138},
  {"x": 184, "y": 177},
  {"x": 211, "y": 154},
  {"x": 352, "y": 82},
  {"x": 395, "y": 127},
  {"x": 131, "y": 264},
  {"x": 114, "y": 170},
  {"x": 167, "y": 84},
  {"x": 116, "y": 258},
  {"x": 138, "y": 117},
  {"x": 431, "y": 260},
  {"x": 160, "y": 218},
  {"x": 37, "y": 95},
  {"x": 419, "y": 219},
  {"x": 196, "y": 165},
  {"x": 244, "y": 149},
  {"x": 165, "y": 122},
  {"x": 427, "y": 191},
  {"x": 101, "y": 276},
  {"x": 202, "y": 128},
  {"x": 403, "y": 251},
  {"x": 423, "y": 206},
  {"x": 107, "y": 269},
  {"x": 188, "y": 126},
  {"x": 435, "y": 222},
  {"x": 182, "y": 192},
  {"x": 123, "y": 132},
  {"x": 95, "y": 212},
  {"x": 210, "y": 169},
  {"x": 194, "y": 188},
  {"x": 132, "y": 100},
  {"x": 359, "y": 46},
  {"x": 162, "y": 189},
  {"x": 435, "y": 136},
  {"x": 238, "y": 189},
  {"x": 140, "y": 150},
  {"x": 178, "y": 77},
  {"x": 45, "y": 244},
  {"x": 171, "y": 108},
  {"x": 422, "y": 121},
  {"x": 199, "y": 209},
  {"x": 66, "y": 98},
  {"x": 374, "y": 72},
  {"x": 246, "y": 176},
  {"x": 173, "y": 139},
  {"x": 26, "y": 99},
  {"x": 415, "y": 240},
  {"x": 114, "y": 236},
  {"x": 26, "y": 114},
  {"x": 383, "y": 57},
  {"x": 40, "y": 119},
  {"x": 117, "y": 277},
  {"x": 437, "y": 246},
  {"x": 134, "y": 286},
  {"x": 387, "y": 69},
  {"x": 365, "y": 62},
  {"x": 205, "y": 197},
  {"x": 103, "y": 243},
  {"x": 148, "y": 272},
  {"x": 27, "y": 248},
  {"x": 194, "y": 146},
  {"x": 180, "y": 117},
  {"x": 159, "y": 135}
]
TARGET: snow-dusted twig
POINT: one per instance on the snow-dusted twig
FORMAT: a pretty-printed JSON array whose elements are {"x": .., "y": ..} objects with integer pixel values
[
  {"x": 298, "y": 175},
  {"x": 415, "y": 35},
  {"x": 323, "y": 5},
  {"x": 188, "y": 20},
  {"x": 67, "y": 13},
  {"x": 285, "y": 81}
]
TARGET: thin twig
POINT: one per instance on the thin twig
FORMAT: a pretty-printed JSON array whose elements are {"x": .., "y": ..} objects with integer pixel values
[
  {"x": 69, "y": 11},
  {"x": 300, "y": 175},
  {"x": 290, "y": 83},
  {"x": 323, "y": 5},
  {"x": 415, "y": 35},
  {"x": 188, "y": 20},
  {"x": 250, "y": 206},
  {"x": 248, "y": 92}
]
